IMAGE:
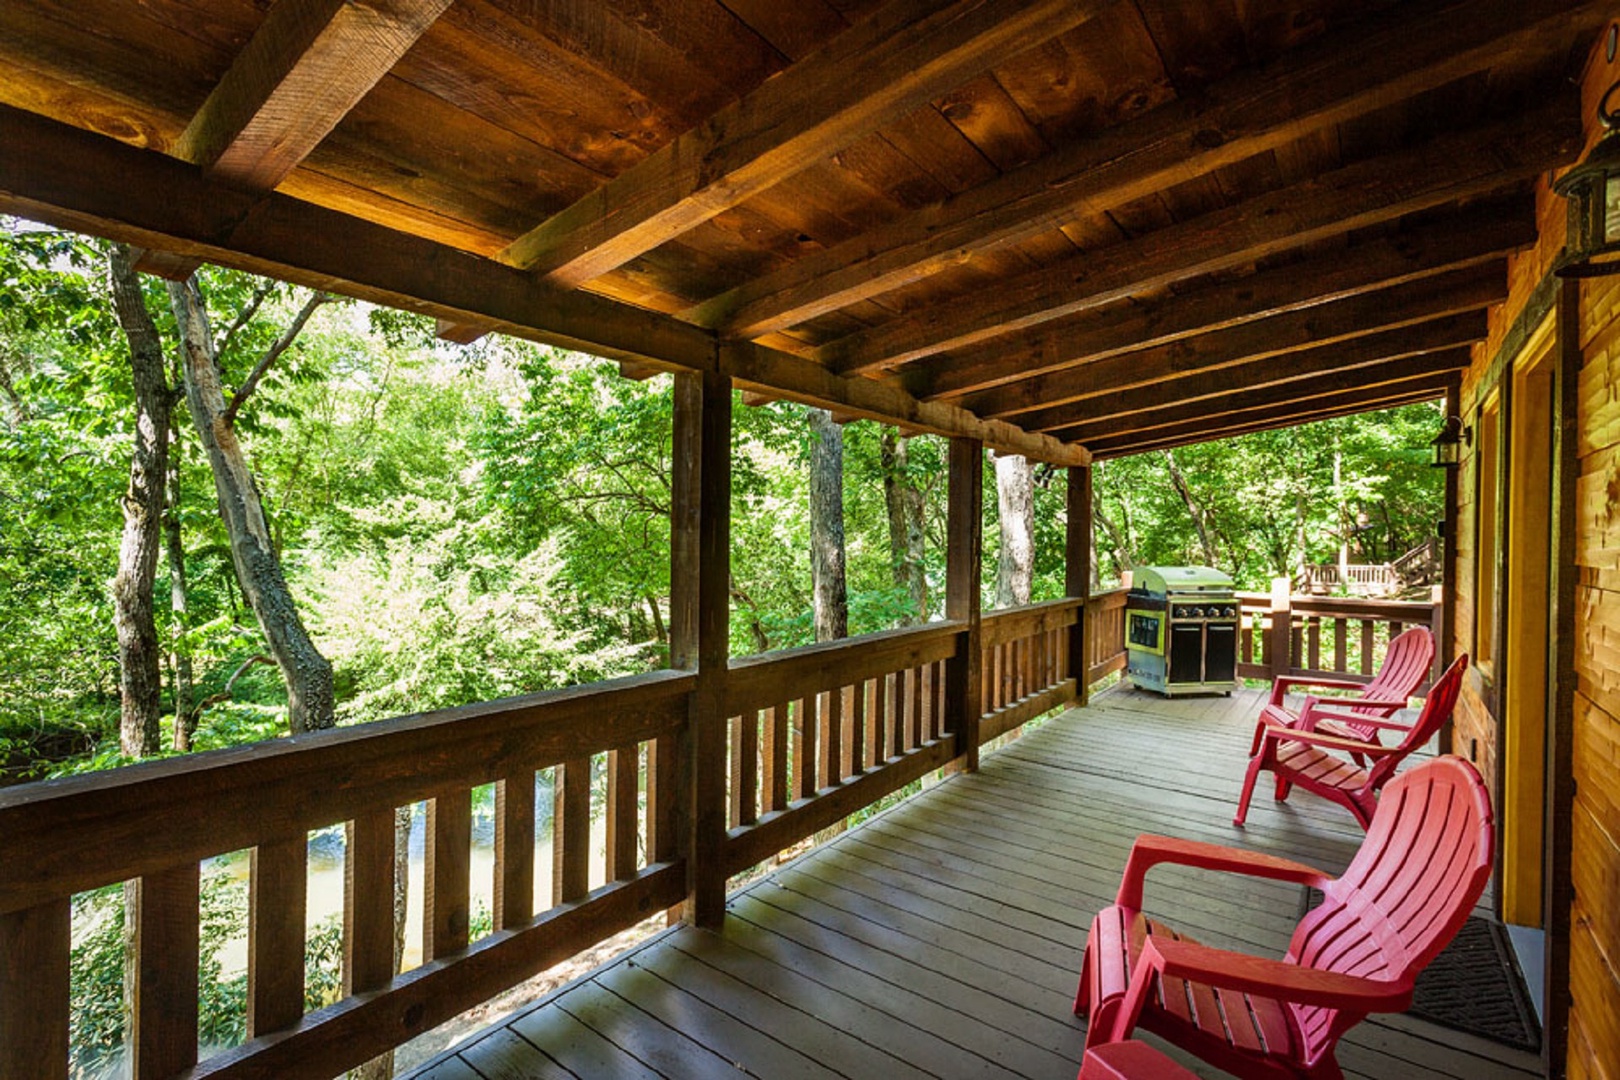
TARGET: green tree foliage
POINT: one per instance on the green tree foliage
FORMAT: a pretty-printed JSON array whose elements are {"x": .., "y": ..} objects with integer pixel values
[{"x": 1270, "y": 501}]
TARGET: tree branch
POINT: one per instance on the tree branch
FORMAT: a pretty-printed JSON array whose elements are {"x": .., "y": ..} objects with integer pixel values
[
  {"x": 242, "y": 317},
  {"x": 272, "y": 354}
]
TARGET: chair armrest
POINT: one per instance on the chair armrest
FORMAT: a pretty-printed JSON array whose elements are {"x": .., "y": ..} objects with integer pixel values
[
  {"x": 1149, "y": 851},
  {"x": 1357, "y": 718},
  {"x": 1282, "y": 683},
  {"x": 1329, "y": 742},
  {"x": 1273, "y": 978}
]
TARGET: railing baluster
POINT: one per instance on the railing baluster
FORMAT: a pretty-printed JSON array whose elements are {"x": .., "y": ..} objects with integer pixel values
[
  {"x": 830, "y": 707},
  {"x": 514, "y": 845},
  {"x": 163, "y": 912},
  {"x": 854, "y": 728},
  {"x": 623, "y": 770},
  {"x": 278, "y": 892},
  {"x": 941, "y": 681},
  {"x": 1341, "y": 654},
  {"x": 571, "y": 830},
  {"x": 775, "y": 786},
  {"x": 368, "y": 902},
  {"x": 804, "y": 747},
  {"x": 35, "y": 946},
  {"x": 662, "y": 843},
  {"x": 875, "y": 717},
  {"x": 1314, "y": 633},
  {"x": 1367, "y": 631},
  {"x": 745, "y": 769},
  {"x": 894, "y": 745},
  {"x": 446, "y": 904},
  {"x": 925, "y": 704}
]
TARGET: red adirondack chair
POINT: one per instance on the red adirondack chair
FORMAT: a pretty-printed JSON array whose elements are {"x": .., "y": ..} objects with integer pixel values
[
  {"x": 1307, "y": 758},
  {"x": 1422, "y": 867},
  {"x": 1406, "y": 664}
]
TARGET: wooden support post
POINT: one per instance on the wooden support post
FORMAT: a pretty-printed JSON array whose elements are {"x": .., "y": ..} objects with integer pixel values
[
  {"x": 1077, "y": 575},
  {"x": 1279, "y": 644},
  {"x": 963, "y": 538},
  {"x": 35, "y": 944},
  {"x": 700, "y": 627},
  {"x": 1445, "y": 634}
]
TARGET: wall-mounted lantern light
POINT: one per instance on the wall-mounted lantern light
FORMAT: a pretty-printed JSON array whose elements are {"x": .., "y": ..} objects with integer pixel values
[
  {"x": 1592, "y": 189},
  {"x": 1449, "y": 443}
]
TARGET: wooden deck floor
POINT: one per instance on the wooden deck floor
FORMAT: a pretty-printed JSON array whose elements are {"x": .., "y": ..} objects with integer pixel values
[{"x": 943, "y": 938}]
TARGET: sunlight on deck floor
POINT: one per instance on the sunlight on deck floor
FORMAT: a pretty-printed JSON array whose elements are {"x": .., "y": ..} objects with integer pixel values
[{"x": 943, "y": 937}]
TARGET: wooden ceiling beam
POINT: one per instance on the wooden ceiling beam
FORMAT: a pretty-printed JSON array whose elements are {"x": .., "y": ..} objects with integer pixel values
[
  {"x": 1439, "y": 364},
  {"x": 1343, "y": 76},
  {"x": 1471, "y": 288},
  {"x": 758, "y": 370},
  {"x": 1479, "y": 234},
  {"x": 1451, "y": 167},
  {"x": 1337, "y": 388},
  {"x": 57, "y": 174},
  {"x": 304, "y": 68},
  {"x": 1193, "y": 386},
  {"x": 1427, "y": 393},
  {"x": 902, "y": 57}
]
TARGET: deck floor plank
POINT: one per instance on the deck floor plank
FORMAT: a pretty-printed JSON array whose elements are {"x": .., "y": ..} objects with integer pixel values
[{"x": 943, "y": 937}]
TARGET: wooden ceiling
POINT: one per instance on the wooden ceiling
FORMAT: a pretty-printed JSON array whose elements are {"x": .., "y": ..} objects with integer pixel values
[{"x": 1048, "y": 224}]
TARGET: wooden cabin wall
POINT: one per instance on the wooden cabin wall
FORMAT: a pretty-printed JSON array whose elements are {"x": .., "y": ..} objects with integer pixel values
[{"x": 1594, "y": 920}]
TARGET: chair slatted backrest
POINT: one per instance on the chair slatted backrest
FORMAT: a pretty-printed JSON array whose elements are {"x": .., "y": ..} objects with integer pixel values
[
  {"x": 1407, "y": 663},
  {"x": 1423, "y": 866},
  {"x": 1437, "y": 708}
]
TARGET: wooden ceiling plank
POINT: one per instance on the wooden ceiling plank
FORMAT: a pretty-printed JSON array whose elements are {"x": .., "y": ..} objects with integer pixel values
[
  {"x": 1338, "y": 387},
  {"x": 57, "y": 174},
  {"x": 304, "y": 68},
  {"x": 1471, "y": 288},
  {"x": 1282, "y": 392},
  {"x": 1344, "y": 76},
  {"x": 906, "y": 54},
  {"x": 1428, "y": 394},
  {"x": 1433, "y": 336},
  {"x": 1478, "y": 235},
  {"x": 1445, "y": 169}
]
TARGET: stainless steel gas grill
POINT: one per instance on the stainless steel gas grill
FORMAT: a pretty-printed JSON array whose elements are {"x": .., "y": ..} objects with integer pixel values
[{"x": 1181, "y": 627}]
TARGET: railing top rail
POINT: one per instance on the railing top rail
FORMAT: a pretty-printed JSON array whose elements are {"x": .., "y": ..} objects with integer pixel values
[
  {"x": 64, "y": 836},
  {"x": 1355, "y": 607},
  {"x": 758, "y": 682},
  {"x": 1062, "y": 603}
]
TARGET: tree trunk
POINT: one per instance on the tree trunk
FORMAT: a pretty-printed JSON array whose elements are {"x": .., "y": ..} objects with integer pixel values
[
  {"x": 185, "y": 712},
  {"x": 831, "y": 597},
  {"x": 1193, "y": 509},
  {"x": 139, "y": 654},
  {"x": 308, "y": 674},
  {"x": 1015, "y": 505},
  {"x": 904, "y": 502}
]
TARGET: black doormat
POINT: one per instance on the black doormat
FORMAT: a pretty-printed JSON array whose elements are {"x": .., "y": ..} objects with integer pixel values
[{"x": 1474, "y": 985}]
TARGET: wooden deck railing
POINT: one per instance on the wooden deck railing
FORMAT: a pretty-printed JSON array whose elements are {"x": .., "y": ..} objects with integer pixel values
[
  {"x": 1334, "y": 637},
  {"x": 155, "y": 823},
  {"x": 815, "y": 734}
]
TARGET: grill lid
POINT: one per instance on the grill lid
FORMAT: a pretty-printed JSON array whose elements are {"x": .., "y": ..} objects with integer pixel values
[{"x": 1164, "y": 580}]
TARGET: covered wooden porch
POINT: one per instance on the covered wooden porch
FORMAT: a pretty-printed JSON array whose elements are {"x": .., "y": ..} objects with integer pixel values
[
  {"x": 1068, "y": 230},
  {"x": 943, "y": 937}
]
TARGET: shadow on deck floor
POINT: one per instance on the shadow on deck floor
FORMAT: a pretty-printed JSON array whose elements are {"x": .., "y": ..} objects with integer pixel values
[{"x": 943, "y": 938}]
